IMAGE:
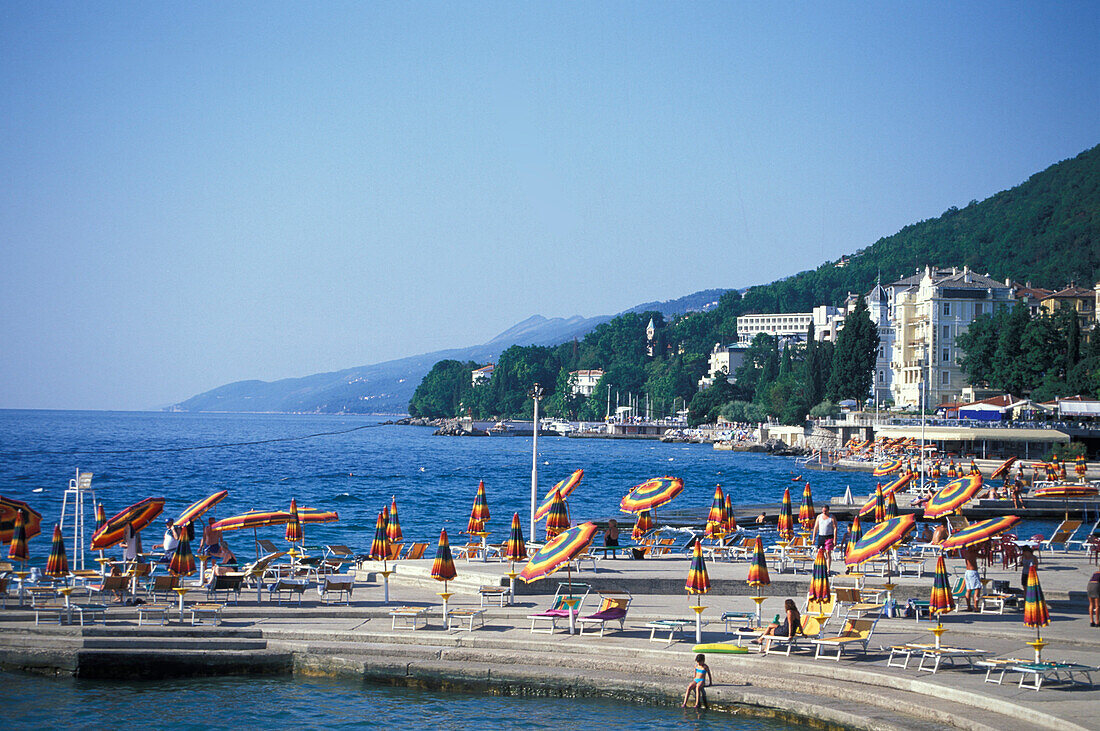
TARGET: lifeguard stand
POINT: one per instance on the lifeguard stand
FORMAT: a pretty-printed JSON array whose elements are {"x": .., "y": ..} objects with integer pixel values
[{"x": 73, "y": 502}]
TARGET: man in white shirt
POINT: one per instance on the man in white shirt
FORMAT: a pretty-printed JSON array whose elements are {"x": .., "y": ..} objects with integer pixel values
[{"x": 825, "y": 533}]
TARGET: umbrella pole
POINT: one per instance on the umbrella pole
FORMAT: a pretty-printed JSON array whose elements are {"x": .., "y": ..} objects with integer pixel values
[
  {"x": 386, "y": 583},
  {"x": 511, "y": 582},
  {"x": 571, "y": 603},
  {"x": 445, "y": 595},
  {"x": 698, "y": 609}
]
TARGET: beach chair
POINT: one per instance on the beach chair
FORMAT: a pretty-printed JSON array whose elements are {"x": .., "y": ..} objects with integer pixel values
[
  {"x": 260, "y": 569},
  {"x": 558, "y": 610},
  {"x": 228, "y": 583},
  {"x": 663, "y": 547},
  {"x": 811, "y": 630},
  {"x": 111, "y": 585},
  {"x": 335, "y": 557},
  {"x": 338, "y": 585},
  {"x": 290, "y": 587},
  {"x": 1086, "y": 536},
  {"x": 1062, "y": 535},
  {"x": 613, "y": 608},
  {"x": 958, "y": 593},
  {"x": 395, "y": 551},
  {"x": 266, "y": 546},
  {"x": 55, "y": 609},
  {"x": 163, "y": 584},
  {"x": 856, "y": 632},
  {"x": 161, "y": 612},
  {"x": 416, "y": 550},
  {"x": 4, "y": 581},
  {"x": 585, "y": 555}
]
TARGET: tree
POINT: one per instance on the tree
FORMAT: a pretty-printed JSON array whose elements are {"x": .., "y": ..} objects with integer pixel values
[
  {"x": 441, "y": 392},
  {"x": 853, "y": 369},
  {"x": 979, "y": 345},
  {"x": 1008, "y": 370}
]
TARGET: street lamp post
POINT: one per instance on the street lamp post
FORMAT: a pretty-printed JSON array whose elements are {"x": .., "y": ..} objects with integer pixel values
[{"x": 536, "y": 394}]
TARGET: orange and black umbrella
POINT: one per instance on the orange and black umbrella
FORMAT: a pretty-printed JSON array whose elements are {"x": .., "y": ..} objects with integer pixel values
[
  {"x": 9, "y": 508},
  {"x": 199, "y": 508},
  {"x": 697, "y": 582},
  {"x": 57, "y": 565},
  {"x": 643, "y": 524},
  {"x": 806, "y": 509},
  {"x": 443, "y": 567},
  {"x": 731, "y": 519},
  {"x": 479, "y": 514},
  {"x": 820, "y": 591},
  {"x": 758, "y": 569},
  {"x": 514, "y": 548},
  {"x": 380, "y": 546},
  {"x": 785, "y": 522},
  {"x": 891, "y": 506},
  {"x": 716, "y": 518},
  {"x": 941, "y": 600},
  {"x": 17, "y": 551},
  {"x": 855, "y": 534},
  {"x": 182, "y": 562},
  {"x": 294, "y": 525},
  {"x": 137, "y": 516}
]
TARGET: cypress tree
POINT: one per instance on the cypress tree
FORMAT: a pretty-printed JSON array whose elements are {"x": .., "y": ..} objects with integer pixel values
[{"x": 854, "y": 357}]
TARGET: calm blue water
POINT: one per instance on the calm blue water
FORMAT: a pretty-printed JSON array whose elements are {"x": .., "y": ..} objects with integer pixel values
[
  {"x": 433, "y": 478},
  {"x": 201, "y": 703}
]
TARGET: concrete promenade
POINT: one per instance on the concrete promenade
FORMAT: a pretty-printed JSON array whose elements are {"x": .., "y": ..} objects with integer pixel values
[{"x": 504, "y": 657}]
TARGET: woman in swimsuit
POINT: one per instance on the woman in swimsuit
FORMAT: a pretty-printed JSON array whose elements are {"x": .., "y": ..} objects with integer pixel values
[{"x": 789, "y": 627}]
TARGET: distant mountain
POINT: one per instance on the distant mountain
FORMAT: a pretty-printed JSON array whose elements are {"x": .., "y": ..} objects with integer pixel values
[
  {"x": 700, "y": 301},
  {"x": 385, "y": 388}
]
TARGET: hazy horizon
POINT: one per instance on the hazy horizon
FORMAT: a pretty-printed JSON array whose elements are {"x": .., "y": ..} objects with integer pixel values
[{"x": 196, "y": 195}]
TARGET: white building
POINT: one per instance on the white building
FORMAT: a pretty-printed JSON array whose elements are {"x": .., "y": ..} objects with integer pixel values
[
  {"x": 928, "y": 311},
  {"x": 723, "y": 359},
  {"x": 584, "y": 382},
  {"x": 878, "y": 308},
  {"x": 481, "y": 375},
  {"x": 792, "y": 326}
]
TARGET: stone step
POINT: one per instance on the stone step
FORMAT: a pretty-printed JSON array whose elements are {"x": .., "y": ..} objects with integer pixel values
[{"x": 218, "y": 644}]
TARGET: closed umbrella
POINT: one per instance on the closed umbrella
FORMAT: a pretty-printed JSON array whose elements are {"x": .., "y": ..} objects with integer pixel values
[
  {"x": 514, "y": 550},
  {"x": 941, "y": 600},
  {"x": 820, "y": 592},
  {"x": 380, "y": 551},
  {"x": 806, "y": 509},
  {"x": 557, "y": 520},
  {"x": 731, "y": 519},
  {"x": 891, "y": 506},
  {"x": 952, "y": 496},
  {"x": 716, "y": 518},
  {"x": 855, "y": 534},
  {"x": 698, "y": 583},
  {"x": 1036, "y": 612},
  {"x": 642, "y": 525},
  {"x": 1081, "y": 467},
  {"x": 182, "y": 562},
  {"x": 443, "y": 569},
  {"x": 100, "y": 516},
  {"x": 294, "y": 526},
  {"x": 651, "y": 494},
  {"x": 18, "y": 551},
  {"x": 565, "y": 486},
  {"x": 57, "y": 565},
  {"x": 393, "y": 527},
  {"x": 479, "y": 514},
  {"x": 880, "y": 505},
  {"x": 556, "y": 553},
  {"x": 758, "y": 575},
  {"x": 785, "y": 522}
]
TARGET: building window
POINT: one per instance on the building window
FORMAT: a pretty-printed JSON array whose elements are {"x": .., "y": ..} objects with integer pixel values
[
  {"x": 979, "y": 309},
  {"x": 945, "y": 378},
  {"x": 946, "y": 355},
  {"x": 946, "y": 332},
  {"x": 881, "y": 352},
  {"x": 882, "y": 376},
  {"x": 946, "y": 309}
]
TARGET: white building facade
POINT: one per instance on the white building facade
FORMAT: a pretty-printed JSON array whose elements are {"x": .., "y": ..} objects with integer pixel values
[{"x": 584, "y": 382}]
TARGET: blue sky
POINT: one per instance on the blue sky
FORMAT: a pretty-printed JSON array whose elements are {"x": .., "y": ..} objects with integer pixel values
[{"x": 198, "y": 193}]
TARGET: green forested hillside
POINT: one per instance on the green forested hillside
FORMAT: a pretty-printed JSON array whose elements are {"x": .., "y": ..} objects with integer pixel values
[{"x": 1045, "y": 230}]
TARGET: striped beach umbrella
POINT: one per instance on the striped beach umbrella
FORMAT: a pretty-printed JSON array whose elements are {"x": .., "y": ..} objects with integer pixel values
[
  {"x": 255, "y": 519},
  {"x": 941, "y": 600},
  {"x": 443, "y": 567},
  {"x": 294, "y": 526},
  {"x": 651, "y": 494},
  {"x": 642, "y": 525},
  {"x": 979, "y": 532},
  {"x": 558, "y": 552},
  {"x": 697, "y": 581},
  {"x": 952, "y": 473},
  {"x": 880, "y": 505},
  {"x": 100, "y": 516},
  {"x": 565, "y": 486},
  {"x": 820, "y": 591},
  {"x": 18, "y": 551},
  {"x": 785, "y": 522},
  {"x": 182, "y": 562},
  {"x": 557, "y": 520},
  {"x": 479, "y": 513},
  {"x": 806, "y": 509},
  {"x": 758, "y": 569},
  {"x": 1061, "y": 470},
  {"x": 881, "y": 537},
  {"x": 891, "y": 506},
  {"x": 1081, "y": 467},
  {"x": 380, "y": 546},
  {"x": 1036, "y": 611},
  {"x": 393, "y": 525},
  {"x": 731, "y": 519},
  {"x": 935, "y": 474},
  {"x": 9, "y": 509},
  {"x": 888, "y": 467},
  {"x": 197, "y": 509},
  {"x": 1064, "y": 490},
  {"x": 952, "y": 496},
  {"x": 855, "y": 534},
  {"x": 137, "y": 516},
  {"x": 514, "y": 548},
  {"x": 57, "y": 565},
  {"x": 974, "y": 468},
  {"x": 1002, "y": 470},
  {"x": 716, "y": 518}
]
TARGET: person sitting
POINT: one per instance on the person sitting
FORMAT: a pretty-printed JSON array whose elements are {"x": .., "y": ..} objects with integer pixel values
[
  {"x": 789, "y": 627},
  {"x": 170, "y": 541},
  {"x": 940, "y": 534},
  {"x": 213, "y": 544},
  {"x": 611, "y": 535},
  {"x": 761, "y": 519},
  {"x": 131, "y": 544}
]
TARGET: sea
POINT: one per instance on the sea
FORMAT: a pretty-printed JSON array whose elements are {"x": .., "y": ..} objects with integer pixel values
[{"x": 354, "y": 465}]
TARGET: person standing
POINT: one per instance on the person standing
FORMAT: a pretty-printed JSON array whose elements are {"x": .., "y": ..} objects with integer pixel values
[
  {"x": 1093, "y": 591},
  {"x": 972, "y": 578},
  {"x": 825, "y": 534},
  {"x": 1027, "y": 560}
]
